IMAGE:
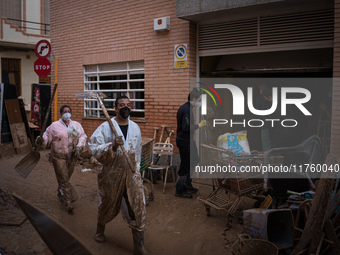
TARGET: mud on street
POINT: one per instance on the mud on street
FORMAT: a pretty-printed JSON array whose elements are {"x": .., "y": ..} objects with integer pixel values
[{"x": 175, "y": 225}]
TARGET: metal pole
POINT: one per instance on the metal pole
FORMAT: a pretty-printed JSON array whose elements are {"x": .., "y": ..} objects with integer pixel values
[{"x": 56, "y": 63}]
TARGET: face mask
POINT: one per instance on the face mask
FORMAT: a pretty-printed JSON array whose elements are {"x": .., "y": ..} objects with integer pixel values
[
  {"x": 198, "y": 104},
  {"x": 66, "y": 116},
  {"x": 124, "y": 112}
]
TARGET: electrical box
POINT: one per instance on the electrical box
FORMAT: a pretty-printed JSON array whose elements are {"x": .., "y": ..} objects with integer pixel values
[{"x": 161, "y": 24}]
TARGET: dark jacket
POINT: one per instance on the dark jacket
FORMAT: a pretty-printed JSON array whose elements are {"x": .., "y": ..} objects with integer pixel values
[{"x": 185, "y": 123}]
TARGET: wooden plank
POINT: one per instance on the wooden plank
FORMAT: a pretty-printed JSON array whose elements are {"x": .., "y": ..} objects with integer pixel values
[
  {"x": 25, "y": 120},
  {"x": 13, "y": 111},
  {"x": 19, "y": 136}
]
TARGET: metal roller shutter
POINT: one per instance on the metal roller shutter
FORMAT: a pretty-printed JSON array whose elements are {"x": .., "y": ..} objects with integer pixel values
[{"x": 312, "y": 29}]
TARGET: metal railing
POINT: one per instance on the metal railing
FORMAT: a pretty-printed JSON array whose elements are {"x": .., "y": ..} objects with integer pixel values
[{"x": 45, "y": 30}]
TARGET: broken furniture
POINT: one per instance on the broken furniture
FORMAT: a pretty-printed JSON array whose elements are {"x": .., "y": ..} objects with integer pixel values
[
  {"x": 145, "y": 163},
  {"x": 297, "y": 159},
  {"x": 301, "y": 216},
  {"x": 273, "y": 225},
  {"x": 240, "y": 184},
  {"x": 322, "y": 228}
]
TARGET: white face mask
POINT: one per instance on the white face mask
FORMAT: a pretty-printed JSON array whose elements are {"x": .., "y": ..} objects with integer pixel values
[
  {"x": 198, "y": 104},
  {"x": 66, "y": 116}
]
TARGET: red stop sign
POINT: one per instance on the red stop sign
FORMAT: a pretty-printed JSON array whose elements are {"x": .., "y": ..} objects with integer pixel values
[{"x": 42, "y": 67}]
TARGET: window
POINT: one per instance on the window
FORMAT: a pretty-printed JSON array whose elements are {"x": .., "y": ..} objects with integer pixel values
[{"x": 114, "y": 80}]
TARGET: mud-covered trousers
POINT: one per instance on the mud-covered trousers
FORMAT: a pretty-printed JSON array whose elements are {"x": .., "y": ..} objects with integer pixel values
[
  {"x": 63, "y": 170},
  {"x": 120, "y": 189}
]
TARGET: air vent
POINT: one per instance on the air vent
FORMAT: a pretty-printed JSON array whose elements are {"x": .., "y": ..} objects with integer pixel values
[
  {"x": 228, "y": 35},
  {"x": 300, "y": 27}
]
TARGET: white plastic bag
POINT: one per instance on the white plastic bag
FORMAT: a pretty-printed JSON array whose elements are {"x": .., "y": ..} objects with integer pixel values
[{"x": 236, "y": 142}]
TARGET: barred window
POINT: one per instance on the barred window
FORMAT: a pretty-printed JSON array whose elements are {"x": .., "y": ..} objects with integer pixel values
[{"x": 114, "y": 80}]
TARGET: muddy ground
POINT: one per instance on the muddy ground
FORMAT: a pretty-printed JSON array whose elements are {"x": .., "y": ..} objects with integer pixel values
[{"x": 175, "y": 225}]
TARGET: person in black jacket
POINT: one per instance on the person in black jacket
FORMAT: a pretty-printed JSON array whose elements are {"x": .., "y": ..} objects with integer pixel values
[{"x": 186, "y": 144}]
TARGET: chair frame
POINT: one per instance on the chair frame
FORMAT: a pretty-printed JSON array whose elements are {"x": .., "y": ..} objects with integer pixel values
[{"x": 158, "y": 150}]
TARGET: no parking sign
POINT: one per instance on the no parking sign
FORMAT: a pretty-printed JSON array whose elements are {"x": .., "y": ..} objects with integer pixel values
[{"x": 181, "y": 53}]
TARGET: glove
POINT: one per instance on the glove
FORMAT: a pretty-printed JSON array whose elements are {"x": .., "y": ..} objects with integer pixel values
[
  {"x": 77, "y": 151},
  {"x": 202, "y": 123},
  {"x": 39, "y": 141}
]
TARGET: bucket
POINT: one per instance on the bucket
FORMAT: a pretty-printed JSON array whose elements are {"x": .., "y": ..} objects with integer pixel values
[
  {"x": 253, "y": 247},
  {"x": 273, "y": 225}
]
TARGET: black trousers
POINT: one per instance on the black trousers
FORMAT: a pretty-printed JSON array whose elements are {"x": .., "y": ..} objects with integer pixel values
[{"x": 189, "y": 154}]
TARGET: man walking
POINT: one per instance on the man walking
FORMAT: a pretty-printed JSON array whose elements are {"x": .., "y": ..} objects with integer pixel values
[
  {"x": 119, "y": 186},
  {"x": 186, "y": 144}
]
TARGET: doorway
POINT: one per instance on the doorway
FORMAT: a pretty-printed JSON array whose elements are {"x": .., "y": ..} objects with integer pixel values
[{"x": 11, "y": 72}]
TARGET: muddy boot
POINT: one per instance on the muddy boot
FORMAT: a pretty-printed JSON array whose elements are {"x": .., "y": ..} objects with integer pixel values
[
  {"x": 69, "y": 207},
  {"x": 190, "y": 188},
  {"x": 100, "y": 237},
  {"x": 181, "y": 190},
  {"x": 183, "y": 194},
  {"x": 138, "y": 243},
  {"x": 60, "y": 196}
]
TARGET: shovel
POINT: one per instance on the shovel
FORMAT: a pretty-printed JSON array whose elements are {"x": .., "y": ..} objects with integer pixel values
[
  {"x": 26, "y": 165},
  {"x": 99, "y": 95},
  {"x": 59, "y": 240}
]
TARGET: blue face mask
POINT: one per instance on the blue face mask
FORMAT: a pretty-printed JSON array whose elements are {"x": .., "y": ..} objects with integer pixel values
[{"x": 198, "y": 104}]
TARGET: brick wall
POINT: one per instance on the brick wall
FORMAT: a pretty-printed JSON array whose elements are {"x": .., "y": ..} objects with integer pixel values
[
  {"x": 90, "y": 32},
  {"x": 335, "y": 142}
]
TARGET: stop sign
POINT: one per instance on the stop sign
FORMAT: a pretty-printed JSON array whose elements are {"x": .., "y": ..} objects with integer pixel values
[{"x": 42, "y": 67}]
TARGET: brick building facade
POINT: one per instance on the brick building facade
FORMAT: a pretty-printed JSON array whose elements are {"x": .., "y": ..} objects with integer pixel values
[{"x": 85, "y": 33}]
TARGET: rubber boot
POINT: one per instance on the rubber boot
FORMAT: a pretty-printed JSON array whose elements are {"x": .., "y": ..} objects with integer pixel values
[
  {"x": 181, "y": 190},
  {"x": 190, "y": 188},
  {"x": 138, "y": 243},
  {"x": 69, "y": 207},
  {"x": 100, "y": 237}
]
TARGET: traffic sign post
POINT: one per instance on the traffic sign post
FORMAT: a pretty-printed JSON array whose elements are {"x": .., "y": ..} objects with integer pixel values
[
  {"x": 43, "y": 49},
  {"x": 42, "y": 67}
]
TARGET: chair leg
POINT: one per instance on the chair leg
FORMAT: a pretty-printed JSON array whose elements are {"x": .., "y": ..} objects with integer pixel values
[
  {"x": 151, "y": 175},
  {"x": 166, "y": 175}
]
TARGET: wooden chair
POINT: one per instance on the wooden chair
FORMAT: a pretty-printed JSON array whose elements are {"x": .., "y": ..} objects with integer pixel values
[
  {"x": 301, "y": 215},
  {"x": 159, "y": 152}
]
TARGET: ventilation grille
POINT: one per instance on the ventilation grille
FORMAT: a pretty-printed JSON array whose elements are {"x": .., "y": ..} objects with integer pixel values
[
  {"x": 228, "y": 35},
  {"x": 282, "y": 29}
]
